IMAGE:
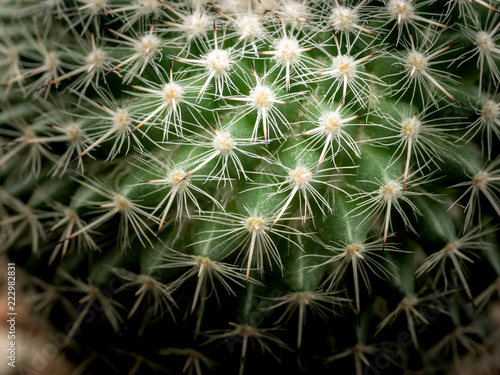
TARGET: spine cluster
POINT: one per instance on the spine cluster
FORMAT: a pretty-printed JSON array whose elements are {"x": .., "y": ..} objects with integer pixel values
[{"x": 240, "y": 168}]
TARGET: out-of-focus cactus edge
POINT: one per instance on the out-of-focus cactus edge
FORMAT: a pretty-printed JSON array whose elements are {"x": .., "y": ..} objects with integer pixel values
[{"x": 243, "y": 186}]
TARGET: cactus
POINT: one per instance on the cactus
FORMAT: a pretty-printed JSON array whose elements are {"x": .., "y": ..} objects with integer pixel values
[{"x": 240, "y": 186}]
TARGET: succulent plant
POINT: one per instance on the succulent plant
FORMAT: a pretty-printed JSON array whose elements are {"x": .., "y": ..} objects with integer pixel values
[{"x": 312, "y": 185}]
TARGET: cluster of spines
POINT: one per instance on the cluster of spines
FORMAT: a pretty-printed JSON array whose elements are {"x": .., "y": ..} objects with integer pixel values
[{"x": 188, "y": 72}]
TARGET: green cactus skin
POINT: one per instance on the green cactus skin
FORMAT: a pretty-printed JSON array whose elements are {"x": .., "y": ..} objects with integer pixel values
[{"x": 281, "y": 186}]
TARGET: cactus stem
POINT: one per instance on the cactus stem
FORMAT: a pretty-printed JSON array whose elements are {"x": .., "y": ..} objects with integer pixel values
[{"x": 223, "y": 124}]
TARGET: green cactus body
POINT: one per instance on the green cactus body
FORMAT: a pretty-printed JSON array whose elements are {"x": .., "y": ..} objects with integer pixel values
[{"x": 313, "y": 186}]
